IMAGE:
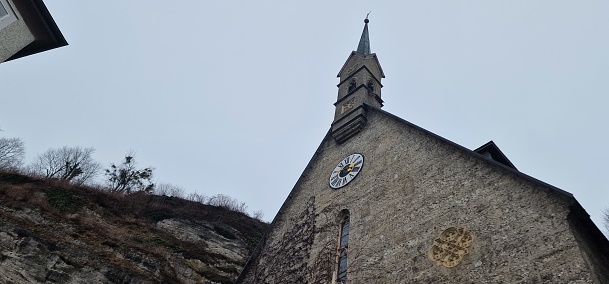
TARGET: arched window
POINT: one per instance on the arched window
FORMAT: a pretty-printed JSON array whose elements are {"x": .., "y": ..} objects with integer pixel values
[
  {"x": 352, "y": 85},
  {"x": 343, "y": 248}
]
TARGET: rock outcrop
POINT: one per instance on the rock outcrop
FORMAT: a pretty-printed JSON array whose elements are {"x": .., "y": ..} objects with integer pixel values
[{"x": 55, "y": 233}]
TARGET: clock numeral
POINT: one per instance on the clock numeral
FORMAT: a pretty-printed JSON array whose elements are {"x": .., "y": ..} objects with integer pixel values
[
  {"x": 347, "y": 160},
  {"x": 335, "y": 183},
  {"x": 334, "y": 178}
]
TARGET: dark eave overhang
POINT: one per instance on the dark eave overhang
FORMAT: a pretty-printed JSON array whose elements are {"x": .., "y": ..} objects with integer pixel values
[{"x": 39, "y": 21}]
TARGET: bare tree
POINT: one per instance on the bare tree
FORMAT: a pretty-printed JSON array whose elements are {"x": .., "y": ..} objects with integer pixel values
[
  {"x": 169, "y": 190},
  {"x": 126, "y": 178},
  {"x": 195, "y": 197},
  {"x": 12, "y": 153},
  {"x": 160, "y": 189},
  {"x": 73, "y": 164},
  {"x": 227, "y": 202},
  {"x": 258, "y": 215}
]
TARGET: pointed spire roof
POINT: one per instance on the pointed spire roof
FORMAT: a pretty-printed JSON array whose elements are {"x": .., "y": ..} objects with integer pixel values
[{"x": 364, "y": 42}]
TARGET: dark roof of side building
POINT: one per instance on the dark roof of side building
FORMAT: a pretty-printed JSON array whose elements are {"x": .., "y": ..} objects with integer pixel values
[{"x": 39, "y": 20}]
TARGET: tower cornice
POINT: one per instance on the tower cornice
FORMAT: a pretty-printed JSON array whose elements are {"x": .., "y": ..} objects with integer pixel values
[{"x": 357, "y": 71}]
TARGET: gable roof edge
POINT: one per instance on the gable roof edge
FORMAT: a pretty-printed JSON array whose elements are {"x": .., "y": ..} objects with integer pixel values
[
  {"x": 474, "y": 154},
  {"x": 286, "y": 203}
]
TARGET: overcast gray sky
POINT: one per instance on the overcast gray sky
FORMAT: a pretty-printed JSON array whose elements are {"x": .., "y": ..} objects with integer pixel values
[{"x": 234, "y": 97}]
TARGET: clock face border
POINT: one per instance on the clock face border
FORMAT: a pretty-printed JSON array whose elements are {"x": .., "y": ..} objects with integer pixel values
[{"x": 346, "y": 165}]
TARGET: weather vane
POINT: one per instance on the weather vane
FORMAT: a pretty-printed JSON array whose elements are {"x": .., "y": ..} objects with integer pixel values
[{"x": 366, "y": 19}]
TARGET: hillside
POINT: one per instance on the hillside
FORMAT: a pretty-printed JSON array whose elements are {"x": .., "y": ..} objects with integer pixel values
[{"x": 51, "y": 232}]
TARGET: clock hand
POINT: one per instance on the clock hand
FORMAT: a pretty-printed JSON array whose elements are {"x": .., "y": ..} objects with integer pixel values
[{"x": 350, "y": 167}]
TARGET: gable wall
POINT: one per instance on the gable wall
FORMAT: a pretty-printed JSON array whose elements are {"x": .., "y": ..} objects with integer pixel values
[{"x": 413, "y": 187}]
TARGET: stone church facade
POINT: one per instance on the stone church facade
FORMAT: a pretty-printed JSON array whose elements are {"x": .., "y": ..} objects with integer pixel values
[{"x": 385, "y": 201}]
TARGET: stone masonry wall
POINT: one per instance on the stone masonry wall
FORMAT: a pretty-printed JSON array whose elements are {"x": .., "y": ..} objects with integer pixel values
[{"x": 413, "y": 186}]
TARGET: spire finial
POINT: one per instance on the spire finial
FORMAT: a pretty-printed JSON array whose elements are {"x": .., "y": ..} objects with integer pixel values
[{"x": 364, "y": 42}]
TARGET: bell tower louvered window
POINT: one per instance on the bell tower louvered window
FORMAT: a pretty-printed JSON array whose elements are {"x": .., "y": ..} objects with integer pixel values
[
  {"x": 370, "y": 86},
  {"x": 352, "y": 86}
]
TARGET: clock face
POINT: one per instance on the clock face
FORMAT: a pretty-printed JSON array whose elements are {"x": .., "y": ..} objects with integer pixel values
[{"x": 346, "y": 170}]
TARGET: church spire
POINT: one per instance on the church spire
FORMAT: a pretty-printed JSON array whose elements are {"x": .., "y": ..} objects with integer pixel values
[{"x": 364, "y": 42}]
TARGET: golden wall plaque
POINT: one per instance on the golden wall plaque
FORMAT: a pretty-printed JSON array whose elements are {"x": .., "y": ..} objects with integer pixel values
[
  {"x": 347, "y": 106},
  {"x": 449, "y": 249}
]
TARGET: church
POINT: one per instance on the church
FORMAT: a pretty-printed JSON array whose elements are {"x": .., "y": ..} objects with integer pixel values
[{"x": 385, "y": 201}]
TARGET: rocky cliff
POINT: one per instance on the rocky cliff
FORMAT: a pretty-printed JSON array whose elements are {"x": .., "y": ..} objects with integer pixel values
[{"x": 55, "y": 233}]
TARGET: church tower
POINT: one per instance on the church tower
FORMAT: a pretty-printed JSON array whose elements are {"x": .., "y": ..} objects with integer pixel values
[
  {"x": 385, "y": 201},
  {"x": 360, "y": 84}
]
